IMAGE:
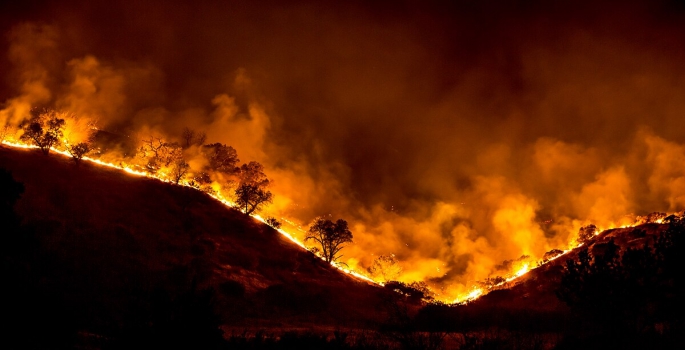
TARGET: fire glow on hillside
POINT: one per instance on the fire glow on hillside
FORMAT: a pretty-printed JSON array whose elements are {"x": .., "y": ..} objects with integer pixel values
[
  {"x": 474, "y": 294},
  {"x": 165, "y": 178},
  {"x": 466, "y": 140}
]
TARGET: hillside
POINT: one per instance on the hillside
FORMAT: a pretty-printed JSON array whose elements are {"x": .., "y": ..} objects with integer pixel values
[
  {"x": 536, "y": 289},
  {"x": 622, "y": 289},
  {"x": 104, "y": 259},
  {"x": 105, "y": 245}
]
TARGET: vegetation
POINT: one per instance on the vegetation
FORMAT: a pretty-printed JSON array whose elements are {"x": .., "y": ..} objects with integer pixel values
[
  {"x": 159, "y": 153},
  {"x": 179, "y": 170},
  {"x": 586, "y": 233},
  {"x": 251, "y": 193},
  {"x": 192, "y": 138},
  {"x": 79, "y": 150},
  {"x": 273, "y": 222},
  {"x": 221, "y": 158},
  {"x": 552, "y": 254},
  {"x": 614, "y": 297},
  {"x": 415, "y": 291},
  {"x": 330, "y": 236},
  {"x": 44, "y": 129},
  {"x": 632, "y": 292}
]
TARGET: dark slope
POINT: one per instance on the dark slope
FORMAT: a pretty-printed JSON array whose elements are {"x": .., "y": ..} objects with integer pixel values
[
  {"x": 110, "y": 243},
  {"x": 536, "y": 289}
]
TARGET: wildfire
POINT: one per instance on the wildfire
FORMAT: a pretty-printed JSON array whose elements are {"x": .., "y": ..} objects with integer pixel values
[
  {"x": 522, "y": 271},
  {"x": 473, "y": 294},
  {"x": 476, "y": 293},
  {"x": 161, "y": 177}
]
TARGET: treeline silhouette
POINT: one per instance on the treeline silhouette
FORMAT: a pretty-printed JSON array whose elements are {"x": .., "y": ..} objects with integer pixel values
[
  {"x": 613, "y": 297},
  {"x": 630, "y": 298}
]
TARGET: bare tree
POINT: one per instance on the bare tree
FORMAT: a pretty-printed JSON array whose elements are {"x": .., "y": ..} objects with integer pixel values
[
  {"x": 170, "y": 153},
  {"x": 179, "y": 170},
  {"x": 43, "y": 130},
  {"x": 188, "y": 137},
  {"x": 191, "y": 137},
  {"x": 159, "y": 153},
  {"x": 330, "y": 236},
  {"x": 151, "y": 147}
]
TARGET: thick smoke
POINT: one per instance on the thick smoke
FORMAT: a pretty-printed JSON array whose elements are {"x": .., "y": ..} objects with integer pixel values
[{"x": 454, "y": 137}]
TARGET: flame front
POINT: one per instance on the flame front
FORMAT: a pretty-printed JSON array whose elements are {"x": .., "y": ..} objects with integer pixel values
[
  {"x": 473, "y": 294},
  {"x": 129, "y": 170},
  {"x": 489, "y": 161}
]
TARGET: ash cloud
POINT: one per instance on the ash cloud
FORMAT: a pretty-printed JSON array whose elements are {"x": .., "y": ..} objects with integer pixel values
[{"x": 454, "y": 137}]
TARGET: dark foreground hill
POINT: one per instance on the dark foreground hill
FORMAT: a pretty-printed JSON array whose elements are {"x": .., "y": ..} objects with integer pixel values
[
  {"x": 623, "y": 289},
  {"x": 109, "y": 255},
  {"x": 537, "y": 289}
]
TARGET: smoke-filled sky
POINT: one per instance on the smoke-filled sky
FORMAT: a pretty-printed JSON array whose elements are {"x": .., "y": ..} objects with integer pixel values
[{"x": 453, "y": 136}]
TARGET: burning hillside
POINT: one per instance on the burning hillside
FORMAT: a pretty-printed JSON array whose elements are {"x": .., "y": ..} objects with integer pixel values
[
  {"x": 464, "y": 140},
  {"x": 108, "y": 240}
]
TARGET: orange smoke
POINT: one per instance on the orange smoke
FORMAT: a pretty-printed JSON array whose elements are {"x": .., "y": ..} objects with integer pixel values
[{"x": 455, "y": 140}]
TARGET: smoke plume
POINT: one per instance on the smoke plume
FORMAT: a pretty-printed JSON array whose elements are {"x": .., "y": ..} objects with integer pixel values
[{"x": 455, "y": 137}]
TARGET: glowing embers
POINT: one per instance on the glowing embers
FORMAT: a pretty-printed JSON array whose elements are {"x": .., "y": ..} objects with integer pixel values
[
  {"x": 473, "y": 295},
  {"x": 522, "y": 271}
]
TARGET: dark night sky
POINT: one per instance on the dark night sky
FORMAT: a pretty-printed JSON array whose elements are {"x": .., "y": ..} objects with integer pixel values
[{"x": 475, "y": 120}]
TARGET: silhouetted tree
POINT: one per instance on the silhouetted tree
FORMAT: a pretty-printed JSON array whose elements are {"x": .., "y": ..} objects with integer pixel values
[
  {"x": 78, "y": 151},
  {"x": 191, "y": 137},
  {"x": 572, "y": 288},
  {"x": 251, "y": 193},
  {"x": 271, "y": 221},
  {"x": 252, "y": 173},
  {"x": 552, "y": 254},
  {"x": 222, "y": 158},
  {"x": 330, "y": 236},
  {"x": 250, "y": 197},
  {"x": 203, "y": 182},
  {"x": 628, "y": 293},
  {"x": 159, "y": 153},
  {"x": 385, "y": 268},
  {"x": 202, "y": 178},
  {"x": 586, "y": 233},
  {"x": 179, "y": 170},
  {"x": 492, "y": 282},
  {"x": 415, "y": 292},
  {"x": 43, "y": 130}
]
